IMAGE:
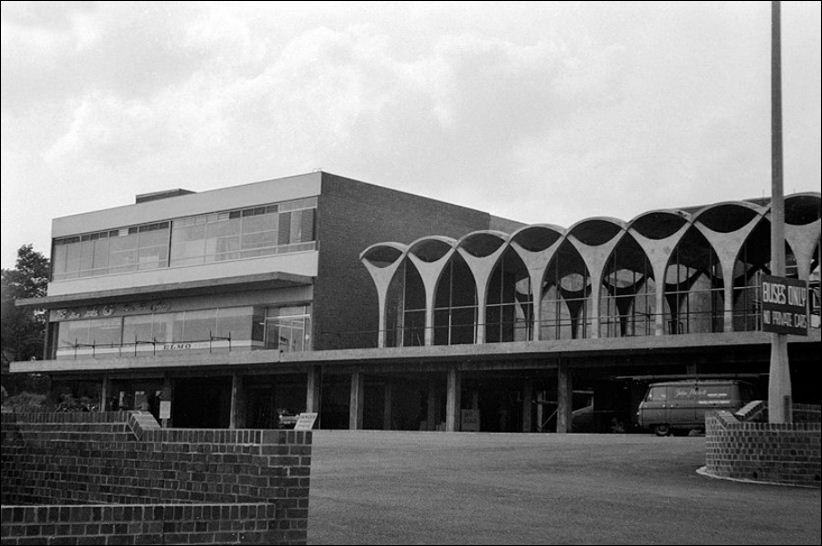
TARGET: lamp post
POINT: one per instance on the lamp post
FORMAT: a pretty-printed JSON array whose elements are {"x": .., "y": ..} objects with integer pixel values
[{"x": 779, "y": 377}]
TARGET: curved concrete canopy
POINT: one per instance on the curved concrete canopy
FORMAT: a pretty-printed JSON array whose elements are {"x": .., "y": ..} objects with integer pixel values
[
  {"x": 728, "y": 216},
  {"x": 432, "y": 248},
  {"x": 802, "y": 208},
  {"x": 537, "y": 237},
  {"x": 659, "y": 224},
  {"x": 596, "y": 231},
  {"x": 383, "y": 254},
  {"x": 482, "y": 243}
]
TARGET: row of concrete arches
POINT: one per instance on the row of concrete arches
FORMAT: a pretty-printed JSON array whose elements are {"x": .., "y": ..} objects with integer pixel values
[{"x": 598, "y": 278}]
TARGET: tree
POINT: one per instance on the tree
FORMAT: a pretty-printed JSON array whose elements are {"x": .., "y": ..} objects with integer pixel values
[{"x": 23, "y": 328}]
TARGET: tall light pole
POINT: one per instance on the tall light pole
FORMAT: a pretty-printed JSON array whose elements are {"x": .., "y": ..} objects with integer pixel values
[{"x": 779, "y": 378}]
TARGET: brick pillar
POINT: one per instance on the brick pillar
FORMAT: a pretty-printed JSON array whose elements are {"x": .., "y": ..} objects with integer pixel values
[
  {"x": 357, "y": 401},
  {"x": 453, "y": 401},
  {"x": 237, "y": 417},
  {"x": 564, "y": 398}
]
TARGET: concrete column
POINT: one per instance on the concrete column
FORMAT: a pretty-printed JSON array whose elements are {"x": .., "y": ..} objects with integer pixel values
[
  {"x": 312, "y": 394},
  {"x": 453, "y": 401},
  {"x": 430, "y": 273},
  {"x": 659, "y": 252},
  {"x": 540, "y": 416},
  {"x": 382, "y": 277},
  {"x": 388, "y": 392},
  {"x": 527, "y": 394},
  {"x": 482, "y": 268},
  {"x": 105, "y": 393},
  {"x": 537, "y": 263},
  {"x": 357, "y": 401},
  {"x": 433, "y": 405},
  {"x": 564, "y": 398},
  {"x": 727, "y": 247},
  {"x": 803, "y": 241},
  {"x": 237, "y": 416},
  {"x": 595, "y": 258}
]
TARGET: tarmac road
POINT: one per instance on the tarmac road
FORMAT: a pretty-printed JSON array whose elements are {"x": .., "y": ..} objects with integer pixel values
[{"x": 383, "y": 487}]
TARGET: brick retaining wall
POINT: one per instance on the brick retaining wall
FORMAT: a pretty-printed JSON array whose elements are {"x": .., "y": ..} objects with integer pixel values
[
  {"x": 116, "y": 458},
  {"x": 760, "y": 451}
]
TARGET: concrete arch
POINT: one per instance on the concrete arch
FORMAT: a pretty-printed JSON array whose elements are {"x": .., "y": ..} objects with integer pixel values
[
  {"x": 567, "y": 278},
  {"x": 595, "y": 239},
  {"x": 536, "y": 245},
  {"x": 726, "y": 226},
  {"x": 429, "y": 256},
  {"x": 382, "y": 260},
  {"x": 802, "y": 225},
  {"x": 658, "y": 232},
  {"x": 481, "y": 251}
]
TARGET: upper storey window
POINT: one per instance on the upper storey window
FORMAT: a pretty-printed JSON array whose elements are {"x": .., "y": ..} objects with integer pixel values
[
  {"x": 247, "y": 233},
  {"x": 195, "y": 240},
  {"x": 115, "y": 251}
]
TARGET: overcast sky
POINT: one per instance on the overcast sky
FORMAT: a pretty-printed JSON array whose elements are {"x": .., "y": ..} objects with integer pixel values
[{"x": 539, "y": 112}]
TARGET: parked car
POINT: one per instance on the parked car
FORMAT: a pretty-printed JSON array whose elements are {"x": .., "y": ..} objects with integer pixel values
[{"x": 676, "y": 406}]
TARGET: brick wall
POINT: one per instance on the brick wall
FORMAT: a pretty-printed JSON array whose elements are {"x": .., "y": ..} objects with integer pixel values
[
  {"x": 127, "y": 459},
  {"x": 139, "y": 524},
  {"x": 758, "y": 450}
]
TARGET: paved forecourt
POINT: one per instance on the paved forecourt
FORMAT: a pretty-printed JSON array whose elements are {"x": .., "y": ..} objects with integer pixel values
[{"x": 381, "y": 487}]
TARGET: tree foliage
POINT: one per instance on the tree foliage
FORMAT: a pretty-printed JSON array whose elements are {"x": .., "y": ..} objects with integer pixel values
[{"x": 23, "y": 328}]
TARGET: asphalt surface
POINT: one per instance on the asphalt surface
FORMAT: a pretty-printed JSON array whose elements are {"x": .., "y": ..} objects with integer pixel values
[{"x": 379, "y": 487}]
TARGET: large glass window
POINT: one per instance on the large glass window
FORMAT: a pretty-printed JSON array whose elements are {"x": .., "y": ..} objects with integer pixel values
[
  {"x": 88, "y": 337},
  {"x": 196, "y": 240},
  {"x": 207, "y": 329},
  {"x": 115, "y": 251},
  {"x": 248, "y": 233},
  {"x": 288, "y": 328}
]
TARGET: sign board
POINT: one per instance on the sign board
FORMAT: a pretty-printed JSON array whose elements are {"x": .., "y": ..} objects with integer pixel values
[
  {"x": 784, "y": 305},
  {"x": 305, "y": 421},
  {"x": 165, "y": 409},
  {"x": 470, "y": 420}
]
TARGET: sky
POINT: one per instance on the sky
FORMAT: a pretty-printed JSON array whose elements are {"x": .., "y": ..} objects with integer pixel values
[{"x": 538, "y": 112}]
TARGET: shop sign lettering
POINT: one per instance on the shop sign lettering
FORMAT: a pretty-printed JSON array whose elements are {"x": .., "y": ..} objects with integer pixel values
[{"x": 784, "y": 305}]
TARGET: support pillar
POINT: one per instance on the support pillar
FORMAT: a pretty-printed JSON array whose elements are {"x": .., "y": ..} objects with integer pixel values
[
  {"x": 540, "y": 405},
  {"x": 357, "y": 401},
  {"x": 527, "y": 394},
  {"x": 237, "y": 417},
  {"x": 453, "y": 401},
  {"x": 433, "y": 404},
  {"x": 564, "y": 398},
  {"x": 312, "y": 390},
  {"x": 388, "y": 392},
  {"x": 105, "y": 393}
]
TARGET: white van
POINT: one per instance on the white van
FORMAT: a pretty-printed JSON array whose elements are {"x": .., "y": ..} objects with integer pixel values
[{"x": 681, "y": 405}]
